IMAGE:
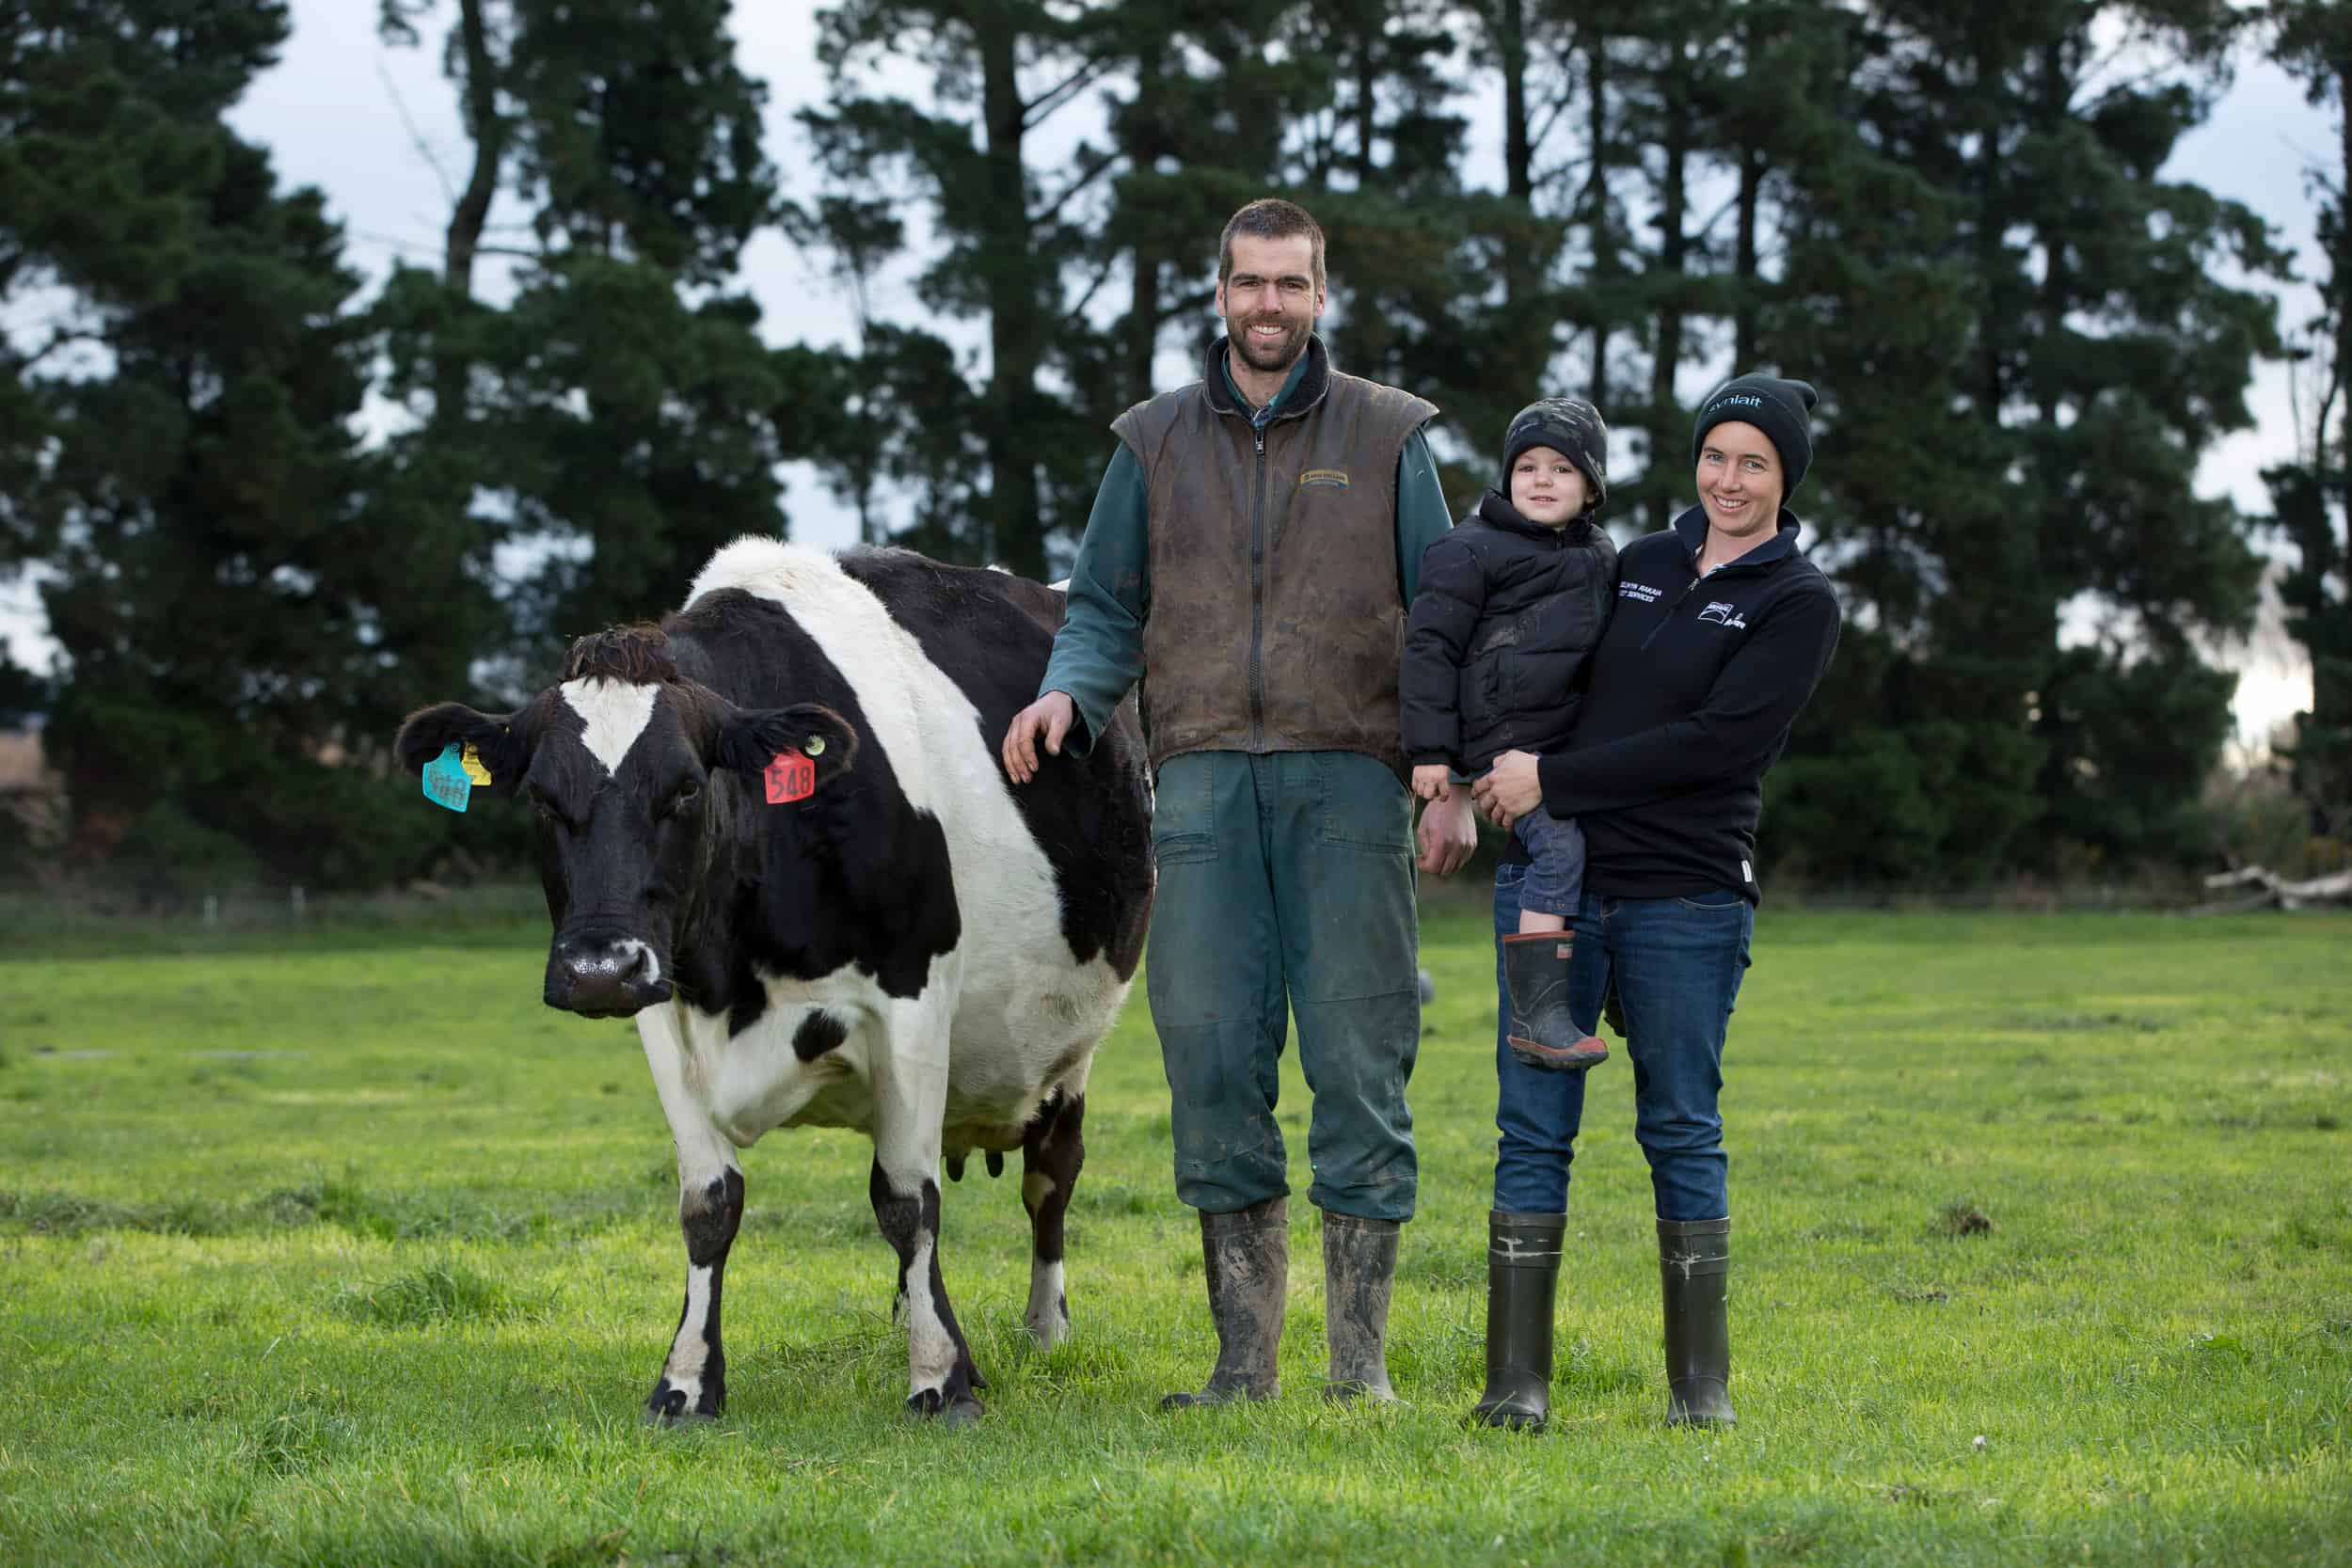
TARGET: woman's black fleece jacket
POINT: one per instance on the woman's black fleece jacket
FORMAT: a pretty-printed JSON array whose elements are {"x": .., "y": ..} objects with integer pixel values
[
  {"x": 1506, "y": 615},
  {"x": 1691, "y": 693}
]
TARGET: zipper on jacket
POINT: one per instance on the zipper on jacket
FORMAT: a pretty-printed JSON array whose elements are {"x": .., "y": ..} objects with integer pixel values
[
  {"x": 1663, "y": 620},
  {"x": 1667, "y": 619},
  {"x": 1257, "y": 593}
]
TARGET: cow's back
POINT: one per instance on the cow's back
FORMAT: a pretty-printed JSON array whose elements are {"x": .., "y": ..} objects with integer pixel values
[{"x": 988, "y": 634}]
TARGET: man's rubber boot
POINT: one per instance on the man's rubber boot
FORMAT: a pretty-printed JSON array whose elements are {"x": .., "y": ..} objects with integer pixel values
[
  {"x": 1358, "y": 1269},
  {"x": 1536, "y": 973},
  {"x": 1693, "y": 1265},
  {"x": 1522, "y": 1286},
  {"x": 1247, "y": 1254}
]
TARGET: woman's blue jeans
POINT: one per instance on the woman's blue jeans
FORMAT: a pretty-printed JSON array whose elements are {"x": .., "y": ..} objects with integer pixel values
[{"x": 1677, "y": 964}]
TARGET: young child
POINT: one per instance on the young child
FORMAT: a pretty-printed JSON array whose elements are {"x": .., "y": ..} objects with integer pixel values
[{"x": 1510, "y": 604}]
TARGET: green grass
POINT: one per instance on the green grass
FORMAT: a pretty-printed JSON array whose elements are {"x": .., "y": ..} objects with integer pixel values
[{"x": 339, "y": 1252}]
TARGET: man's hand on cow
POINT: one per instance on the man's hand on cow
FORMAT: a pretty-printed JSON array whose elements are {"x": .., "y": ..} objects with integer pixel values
[
  {"x": 1448, "y": 835},
  {"x": 1510, "y": 789},
  {"x": 1050, "y": 716}
]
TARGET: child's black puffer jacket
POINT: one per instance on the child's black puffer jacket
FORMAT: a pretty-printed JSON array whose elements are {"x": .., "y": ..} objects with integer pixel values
[{"x": 1506, "y": 615}]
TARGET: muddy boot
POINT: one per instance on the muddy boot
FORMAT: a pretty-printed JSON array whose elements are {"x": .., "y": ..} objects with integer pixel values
[
  {"x": 1693, "y": 1264},
  {"x": 1358, "y": 1267},
  {"x": 1523, "y": 1282},
  {"x": 1535, "y": 972},
  {"x": 1247, "y": 1255}
]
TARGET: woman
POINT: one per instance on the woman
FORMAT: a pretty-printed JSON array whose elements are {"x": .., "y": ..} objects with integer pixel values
[{"x": 1722, "y": 630}]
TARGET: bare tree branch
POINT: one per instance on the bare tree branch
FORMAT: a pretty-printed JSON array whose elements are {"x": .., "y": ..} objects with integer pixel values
[
  {"x": 1094, "y": 171},
  {"x": 415, "y": 137},
  {"x": 1044, "y": 103},
  {"x": 1102, "y": 276}
]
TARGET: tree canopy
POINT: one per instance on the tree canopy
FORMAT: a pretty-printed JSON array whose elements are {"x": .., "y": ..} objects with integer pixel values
[{"x": 268, "y": 507}]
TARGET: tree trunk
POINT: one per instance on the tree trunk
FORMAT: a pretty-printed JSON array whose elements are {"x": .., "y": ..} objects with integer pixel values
[
  {"x": 1672, "y": 249},
  {"x": 1597, "y": 203},
  {"x": 489, "y": 132},
  {"x": 1745, "y": 264},
  {"x": 1013, "y": 531},
  {"x": 2331, "y": 678},
  {"x": 1518, "y": 153}
]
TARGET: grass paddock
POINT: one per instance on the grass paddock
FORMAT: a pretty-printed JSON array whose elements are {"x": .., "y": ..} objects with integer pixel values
[{"x": 349, "y": 1252}]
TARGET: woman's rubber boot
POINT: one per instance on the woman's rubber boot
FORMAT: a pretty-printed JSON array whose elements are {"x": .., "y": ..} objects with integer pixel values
[
  {"x": 1247, "y": 1254},
  {"x": 1358, "y": 1272},
  {"x": 1536, "y": 975},
  {"x": 1694, "y": 1266},
  {"x": 1522, "y": 1288}
]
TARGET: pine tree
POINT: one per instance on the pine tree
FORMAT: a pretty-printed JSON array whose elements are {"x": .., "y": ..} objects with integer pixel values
[
  {"x": 2019, "y": 388},
  {"x": 1012, "y": 234},
  {"x": 620, "y": 416},
  {"x": 225, "y": 617},
  {"x": 2312, "y": 497}
]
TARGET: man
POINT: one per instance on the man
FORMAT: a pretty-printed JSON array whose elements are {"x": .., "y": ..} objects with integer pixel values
[
  {"x": 1250, "y": 554},
  {"x": 1722, "y": 630}
]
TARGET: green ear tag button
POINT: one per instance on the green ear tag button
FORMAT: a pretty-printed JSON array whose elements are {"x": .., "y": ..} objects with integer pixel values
[{"x": 814, "y": 745}]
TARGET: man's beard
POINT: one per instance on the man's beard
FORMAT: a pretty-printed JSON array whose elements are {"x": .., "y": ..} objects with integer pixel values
[{"x": 1266, "y": 357}]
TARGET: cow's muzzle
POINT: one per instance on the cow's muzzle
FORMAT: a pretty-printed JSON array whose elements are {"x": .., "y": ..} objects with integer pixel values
[{"x": 604, "y": 976}]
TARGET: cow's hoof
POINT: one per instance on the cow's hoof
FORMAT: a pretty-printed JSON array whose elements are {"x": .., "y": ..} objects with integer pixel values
[
  {"x": 672, "y": 1406},
  {"x": 953, "y": 1410},
  {"x": 1049, "y": 1329}
]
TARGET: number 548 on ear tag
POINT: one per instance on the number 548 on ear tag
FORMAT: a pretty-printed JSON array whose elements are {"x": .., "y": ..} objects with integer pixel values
[{"x": 790, "y": 777}]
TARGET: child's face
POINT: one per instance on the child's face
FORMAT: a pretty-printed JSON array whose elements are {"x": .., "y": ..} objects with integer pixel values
[{"x": 1547, "y": 488}]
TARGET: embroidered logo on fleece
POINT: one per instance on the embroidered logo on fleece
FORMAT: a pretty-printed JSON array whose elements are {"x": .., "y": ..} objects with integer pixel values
[
  {"x": 1641, "y": 590},
  {"x": 1325, "y": 478},
  {"x": 1725, "y": 614}
]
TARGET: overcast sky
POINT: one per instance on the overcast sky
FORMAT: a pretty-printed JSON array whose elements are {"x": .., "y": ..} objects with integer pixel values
[{"x": 358, "y": 119}]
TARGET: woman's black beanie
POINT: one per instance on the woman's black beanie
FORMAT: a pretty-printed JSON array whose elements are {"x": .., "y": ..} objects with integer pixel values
[{"x": 1781, "y": 409}]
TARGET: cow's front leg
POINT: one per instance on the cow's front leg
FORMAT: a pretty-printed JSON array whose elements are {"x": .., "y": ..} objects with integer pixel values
[
  {"x": 693, "y": 1380},
  {"x": 1052, "y": 1152},
  {"x": 910, "y": 1095}
]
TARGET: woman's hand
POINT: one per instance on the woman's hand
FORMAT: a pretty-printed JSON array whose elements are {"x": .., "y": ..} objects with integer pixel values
[{"x": 1510, "y": 789}]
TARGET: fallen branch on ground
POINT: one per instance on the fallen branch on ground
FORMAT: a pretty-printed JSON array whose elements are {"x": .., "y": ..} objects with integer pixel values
[{"x": 2335, "y": 888}]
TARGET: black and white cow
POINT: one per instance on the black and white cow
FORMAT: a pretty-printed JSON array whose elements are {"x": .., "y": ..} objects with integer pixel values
[{"x": 903, "y": 943}]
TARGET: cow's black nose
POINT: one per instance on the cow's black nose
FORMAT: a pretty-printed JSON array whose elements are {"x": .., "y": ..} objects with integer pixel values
[{"x": 604, "y": 976}]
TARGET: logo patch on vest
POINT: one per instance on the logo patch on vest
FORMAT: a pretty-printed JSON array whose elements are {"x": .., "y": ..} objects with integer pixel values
[
  {"x": 1725, "y": 614},
  {"x": 1327, "y": 479}
]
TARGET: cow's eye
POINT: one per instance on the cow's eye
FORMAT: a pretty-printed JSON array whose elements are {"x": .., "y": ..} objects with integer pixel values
[
  {"x": 545, "y": 807},
  {"x": 681, "y": 798}
]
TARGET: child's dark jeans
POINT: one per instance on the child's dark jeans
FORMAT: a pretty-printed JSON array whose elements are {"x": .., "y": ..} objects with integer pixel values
[{"x": 1555, "y": 877}]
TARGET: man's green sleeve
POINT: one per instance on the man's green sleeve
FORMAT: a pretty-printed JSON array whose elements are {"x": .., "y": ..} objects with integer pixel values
[
  {"x": 1421, "y": 511},
  {"x": 1099, "y": 652}
]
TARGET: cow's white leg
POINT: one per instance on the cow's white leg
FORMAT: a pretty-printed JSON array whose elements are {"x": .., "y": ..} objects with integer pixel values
[
  {"x": 910, "y": 1095},
  {"x": 694, "y": 1380},
  {"x": 1052, "y": 1151}
]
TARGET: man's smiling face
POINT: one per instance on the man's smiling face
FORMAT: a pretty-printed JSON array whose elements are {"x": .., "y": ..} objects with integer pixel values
[{"x": 1270, "y": 300}]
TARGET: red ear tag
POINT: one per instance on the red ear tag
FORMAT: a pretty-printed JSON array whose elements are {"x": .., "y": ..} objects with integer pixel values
[{"x": 790, "y": 777}]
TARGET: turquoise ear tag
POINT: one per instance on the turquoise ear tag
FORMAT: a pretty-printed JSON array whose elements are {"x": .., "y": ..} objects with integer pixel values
[{"x": 445, "y": 780}]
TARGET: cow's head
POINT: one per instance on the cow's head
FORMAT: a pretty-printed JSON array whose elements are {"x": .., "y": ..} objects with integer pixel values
[{"x": 635, "y": 775}]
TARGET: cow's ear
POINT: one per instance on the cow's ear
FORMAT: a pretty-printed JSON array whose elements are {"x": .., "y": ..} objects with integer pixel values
[
  {"x": 752, "y": 738},
  {"x": 502, "y": 741}
]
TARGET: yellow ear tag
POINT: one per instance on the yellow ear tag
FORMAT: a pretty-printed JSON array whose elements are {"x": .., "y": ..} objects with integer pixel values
[
  {"x": 814, "y": 745},
  {"x": 470, "y": 761}
]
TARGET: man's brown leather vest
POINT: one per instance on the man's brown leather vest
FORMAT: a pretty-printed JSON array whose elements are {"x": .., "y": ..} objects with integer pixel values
[{"x": 1274, "y": 623}]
